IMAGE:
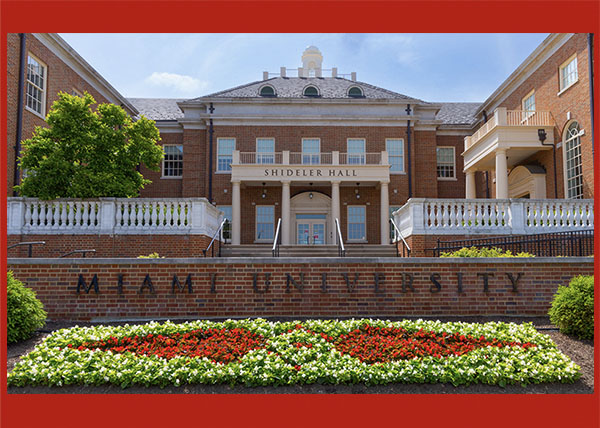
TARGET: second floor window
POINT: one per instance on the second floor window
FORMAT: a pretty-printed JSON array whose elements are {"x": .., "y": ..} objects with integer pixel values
[
  {"x": 395, "y": 149},
  {"x": 311, "y": 151},
  {"x": 568, "y": 73},
  {"x": 225, "y": 148},
  {"x": 265, "y": 150},
  {"x": 173, "y": 161},
  {"x": 445, "y": 162},
  {"x": 528, "y": 103},
  {"x": 356, "y": 151},
  {"x": 36, "y": 85}
]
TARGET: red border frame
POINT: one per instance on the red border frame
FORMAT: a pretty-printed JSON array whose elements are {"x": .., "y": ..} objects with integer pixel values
[{"x": 295, "y": 410}]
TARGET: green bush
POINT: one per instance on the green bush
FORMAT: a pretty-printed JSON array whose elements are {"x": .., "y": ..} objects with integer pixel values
[
  {"x": 25, "y": 313},
  {"x": 572, "y": 309},
  {"x": 483, "y": 252},
  {"x": 150, "y": 256}
]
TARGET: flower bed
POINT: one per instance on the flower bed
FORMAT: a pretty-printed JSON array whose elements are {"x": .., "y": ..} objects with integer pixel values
[{"x": 259, "y": 352}]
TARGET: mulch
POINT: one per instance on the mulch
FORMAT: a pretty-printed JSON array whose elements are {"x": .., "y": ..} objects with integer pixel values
[{"x": 580, "y": 351}]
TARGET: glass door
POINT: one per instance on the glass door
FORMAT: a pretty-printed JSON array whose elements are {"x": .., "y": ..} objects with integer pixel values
[{"x": 310, "y": 229}]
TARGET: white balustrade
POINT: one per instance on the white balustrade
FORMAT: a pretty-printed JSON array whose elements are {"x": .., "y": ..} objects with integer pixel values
[
  {"x": 299, "y": 158},
  {"x": 493, "y": 216},
  {"x": 112, "y": 216}
]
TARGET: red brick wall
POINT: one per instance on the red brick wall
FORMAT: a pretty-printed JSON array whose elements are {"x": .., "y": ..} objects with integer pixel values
[
  {"x": 234, "y": 296},
  {"x": 111, "y": 245},
  {"x": 168, "y": 187},
  {"x": 60, "y": 77},
  {"x": 452, "y": 188}
]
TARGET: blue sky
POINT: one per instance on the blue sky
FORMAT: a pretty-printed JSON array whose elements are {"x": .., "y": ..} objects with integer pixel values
[{"x": 432, "y": 67}]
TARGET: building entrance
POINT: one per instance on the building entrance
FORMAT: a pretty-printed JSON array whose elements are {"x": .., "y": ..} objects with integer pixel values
[{"x": 311, "y": 229}]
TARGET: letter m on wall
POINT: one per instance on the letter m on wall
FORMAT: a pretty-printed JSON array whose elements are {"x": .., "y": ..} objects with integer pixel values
[{"x": 81, "y": 283}]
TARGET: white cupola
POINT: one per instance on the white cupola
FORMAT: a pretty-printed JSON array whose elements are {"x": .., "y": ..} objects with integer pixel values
[{"x": 312, "y": 61}]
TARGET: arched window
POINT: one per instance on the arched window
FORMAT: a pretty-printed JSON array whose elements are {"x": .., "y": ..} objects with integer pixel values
[
  {"x": 573, "y": 164},
  {"x": 355, "y": 91},
  {"x": 311, "y": 91},
  {"x": 267, "y": 91}
]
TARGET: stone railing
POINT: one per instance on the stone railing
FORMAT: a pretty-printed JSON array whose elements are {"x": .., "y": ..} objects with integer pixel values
[
  {"x": 493, "y": 216},
  {"x": 144, "y": 216},
  {"x": 298, "y": 158}
]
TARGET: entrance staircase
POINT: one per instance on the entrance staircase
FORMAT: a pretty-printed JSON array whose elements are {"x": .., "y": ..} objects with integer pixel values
[{"x": 297, "y": 251}]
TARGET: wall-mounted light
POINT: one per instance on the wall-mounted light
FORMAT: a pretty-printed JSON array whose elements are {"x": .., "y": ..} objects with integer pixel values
[
  {"x": 542, "y": 135},
  {"x": 264, "y": 192},
  {"x": 310, "y": 195}
]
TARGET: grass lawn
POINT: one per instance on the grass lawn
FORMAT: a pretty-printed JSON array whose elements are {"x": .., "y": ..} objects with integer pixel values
[{"x": 259, "y": 352}]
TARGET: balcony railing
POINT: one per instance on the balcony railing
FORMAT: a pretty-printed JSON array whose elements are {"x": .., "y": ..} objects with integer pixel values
[
  {"x": 503, "y": 117},
  {"x": 298, "y": 158},
  {"x": 493, "y": 216}
]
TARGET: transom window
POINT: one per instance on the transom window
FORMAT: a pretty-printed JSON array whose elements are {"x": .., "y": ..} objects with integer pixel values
[
  {"x": 267, "y": 91},
  {"x": 311, "y": 91},
  {"x": 36, "y": 85},
  {"x": 311, "y": 151},
  {"x": 573, "y": 167},
  {"x": 356, "y": 223},
  {"x": 356, "y": 151},
  {"x": 265, "y": 219},
  {"x": 395, "y": 149},
  {"x": 225, "y": 148},
  {"x": 173, "y": 161},
  {"x": 265, "y": 150},
  {"x": 568, "y": 73},
  {"x": 355, "y": 91},
  {"x": 445, "y": 162}
]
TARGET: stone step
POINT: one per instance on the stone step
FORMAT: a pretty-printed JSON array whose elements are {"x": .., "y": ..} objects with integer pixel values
[{"x": 353, "y": 250}]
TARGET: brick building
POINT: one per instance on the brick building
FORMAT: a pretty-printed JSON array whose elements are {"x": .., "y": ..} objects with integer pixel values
[{"x": 311, "y": 145}]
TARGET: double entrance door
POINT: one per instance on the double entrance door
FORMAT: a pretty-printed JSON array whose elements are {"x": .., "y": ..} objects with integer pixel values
[{"x": 311, "y": 229}]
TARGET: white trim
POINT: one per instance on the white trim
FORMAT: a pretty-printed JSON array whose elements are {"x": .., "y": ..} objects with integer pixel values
[
  {"x": 311, "y": 85},
  {"x": 403, "y": 172},
  {"x": 162, "y": 168},
  {"x": 362, "y": 92},
  {"x": 453, "y": 178},
  {"x": 564, "y": 65},
  {"x": 348, "y": 223},
  {"x": 264, "y": 86},
  {"x": 564, "y": 156},
  {"x": 221, "y": 171},
  {"x": 256, "y": 224},
  {"x": 44, "y": 89},
  {"x": 558, "y": 94},
  {"x": 526, "y": 97}
]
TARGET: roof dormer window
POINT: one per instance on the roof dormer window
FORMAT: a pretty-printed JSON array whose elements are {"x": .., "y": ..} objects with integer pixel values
[
  {"x": 267, "y": 91},
  {"x": 355, "y": 92},
  {"x": 311, "y": 91}
]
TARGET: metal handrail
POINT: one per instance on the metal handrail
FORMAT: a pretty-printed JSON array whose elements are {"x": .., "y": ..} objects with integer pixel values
[
  {"x": 341, "y": 248},
  {"x": 406, "y": 247},
  {"x": 275, "y": 249},
  {"x": 77, "y": 252},
  {"x": 27, "y": 243},
  {"x": 210, "y": 246}
]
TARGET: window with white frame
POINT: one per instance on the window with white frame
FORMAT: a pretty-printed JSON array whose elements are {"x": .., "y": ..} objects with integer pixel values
[
  {"x": 36, "y": 85},
  {"x": 356, "y": 151},
  {"x": 395, "y": 149},
  {"x": 568, "y": 73},
  {"x": 528, "y": 105},
  {"x": 265, "y": 150},
  {"x": 227, "y": 213},
  {"x": 311, "y": 151},
  {"x": 445, "y": 163},
  {"x": 225, "y": 148},
  {"x": 173, "y": 161},
  {"x": 573, "y": 164},
  {"x": 265, "y": 220},
  {"x": 357, "y": 223}
]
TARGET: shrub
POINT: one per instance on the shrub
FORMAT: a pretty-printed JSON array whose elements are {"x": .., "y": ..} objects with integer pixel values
[
  {"x": 25, "y": 313},
  {"x": 572, "y": 309},
  {"x": 151, "y": 256},
  {"x": 484, "y": 252}
]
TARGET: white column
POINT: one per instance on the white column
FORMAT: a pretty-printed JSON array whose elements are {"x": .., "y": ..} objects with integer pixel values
[
  {"x": 470, "y": 185},
  {"x": 236, "y": 214},
  {"x": 385, "y": 213},
  {"x": 335, "y": 207},
  {"x": 501, "y": 175},
  {"x": 285, "y": 213}
]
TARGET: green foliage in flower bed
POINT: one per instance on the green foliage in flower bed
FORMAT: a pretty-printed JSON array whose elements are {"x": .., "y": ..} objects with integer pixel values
[
  {"x": 286, "y": 353},
  {"x": 573, "y": 308},
  {"x": 24, "y": 312},
  {"x": 484, "y": 252}
]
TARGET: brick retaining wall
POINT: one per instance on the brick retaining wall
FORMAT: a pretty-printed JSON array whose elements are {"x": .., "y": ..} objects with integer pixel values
[{"x": 436, "y": 289}]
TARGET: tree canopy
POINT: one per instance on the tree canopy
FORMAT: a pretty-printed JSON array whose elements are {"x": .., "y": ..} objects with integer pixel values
[{"x": 87, "y": 153}]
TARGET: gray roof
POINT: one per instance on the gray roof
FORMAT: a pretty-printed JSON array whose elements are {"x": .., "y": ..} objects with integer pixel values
[
  {"x": 458, "y": 113},
  {"x": 293, "y": 87},
  {"x": 158, "y": 108}
]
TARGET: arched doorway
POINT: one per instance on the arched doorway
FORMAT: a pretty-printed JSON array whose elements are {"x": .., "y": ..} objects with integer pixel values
[
  {"x": 310, "y": 214},
  {"x": 527, "y": 181}
]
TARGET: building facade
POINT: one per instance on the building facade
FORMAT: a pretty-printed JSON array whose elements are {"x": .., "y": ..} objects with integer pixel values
[{"x": 319, "y": 153}]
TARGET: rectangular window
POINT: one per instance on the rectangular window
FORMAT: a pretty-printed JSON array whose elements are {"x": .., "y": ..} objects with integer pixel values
[
  {"x": 225, "y": 148},
  {"x": 395, "y": 149},
  {"x": 265, "y": 220},
  {"x": 356, "y": 223},
  {"x": 173, "y": 161},
  {"x": 36, "y": 85},
  {"x": 392, "y": 228},
  {"x": 445, "y": 162},
  {"x": 568, "y": 73},
  {"x": 265, "y": 150},
  {"x": 226, "y": 231},
  {"x": 528, "y": 105},
  {"x": 356, "y": 151},
  {"x": 311, "y": 151}
]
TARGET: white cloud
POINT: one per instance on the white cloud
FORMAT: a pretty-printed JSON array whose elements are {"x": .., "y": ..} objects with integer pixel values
[{"x": 186, "y": 85}]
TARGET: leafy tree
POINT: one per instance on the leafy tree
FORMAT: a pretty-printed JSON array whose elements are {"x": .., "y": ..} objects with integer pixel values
[{"x": 86, "y": 153}]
